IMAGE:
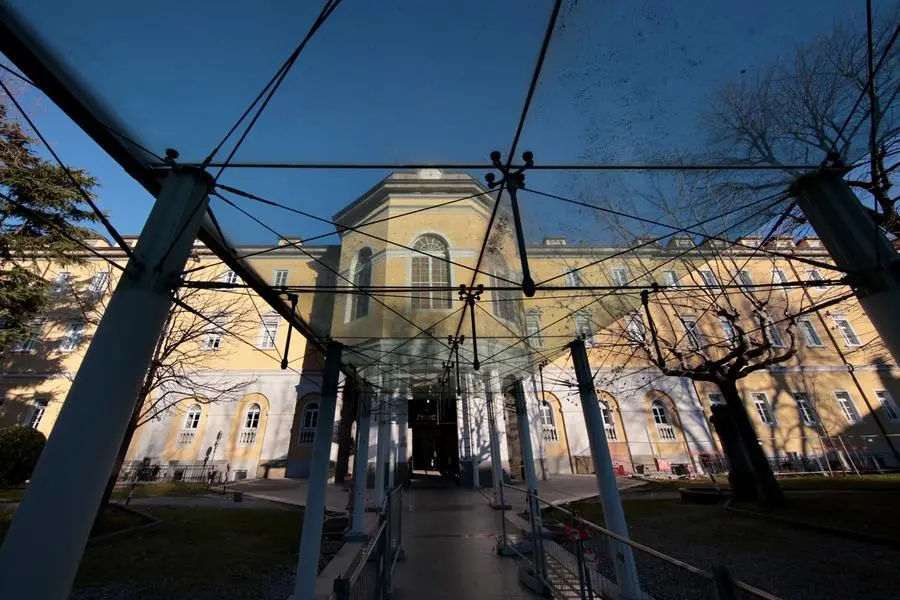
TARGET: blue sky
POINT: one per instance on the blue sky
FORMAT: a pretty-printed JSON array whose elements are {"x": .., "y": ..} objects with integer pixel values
[{"x": 414, "y": 81}]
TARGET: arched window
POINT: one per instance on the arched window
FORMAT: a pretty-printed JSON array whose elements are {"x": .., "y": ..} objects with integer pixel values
[
  {"x": 505, "y": 301},
  {"x": 251, "y": 420},
  {"x": 189, "y": 428},
  {"x": 192, "y": 418},
  {"x": 362, "y": 277},
  {"x": 548, "y": 422},
  {"x": 308, "y": 422},
  {"x": 432, "y": 271},
  {"x": 608, "y": 423},
  {"x": 251, "y": 425},
  {"x": 661, "y": 418}
]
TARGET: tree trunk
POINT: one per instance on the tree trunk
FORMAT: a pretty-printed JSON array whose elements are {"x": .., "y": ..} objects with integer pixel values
[
  {"x": 120, "y": 457},
  {"x": 345, "y": 438},
  {"x": 740, "y": 473},
  {"x": 767, "y": 489}
]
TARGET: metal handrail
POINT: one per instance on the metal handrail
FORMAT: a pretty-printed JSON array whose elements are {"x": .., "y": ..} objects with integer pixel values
[
  {"x": 656, "y": 553},
  {"x": 363, "y": 556}
]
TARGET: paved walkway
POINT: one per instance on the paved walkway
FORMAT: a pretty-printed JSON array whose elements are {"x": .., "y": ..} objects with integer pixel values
[
  {"x": 449, "y": 540},
  {"x": 292, "y": 491},
  {"x": 556, "y": 490}
]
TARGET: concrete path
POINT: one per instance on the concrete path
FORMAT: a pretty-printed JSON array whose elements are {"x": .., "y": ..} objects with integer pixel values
[
  {"x": 556, "y": 490},
  {"x": 449, "y": 536},
  {"x": 292, "y": 491},
  {"x": 204, "y": 502}
]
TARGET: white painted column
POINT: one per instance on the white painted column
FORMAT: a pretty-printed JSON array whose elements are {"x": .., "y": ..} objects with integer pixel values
[
  {"x": 394, "y": 445},
  {"x": 382, "y": 452},
  {"x": 856, "y": 245},
  {"x": 45, "y": 542},
  {"x": 531, "y": 480},
  {"x": 314, "y": 514},
  {"x": 496, "y": 459},
  {"x": 361, "y": 462},
  {"x": 626, "y": 571}
]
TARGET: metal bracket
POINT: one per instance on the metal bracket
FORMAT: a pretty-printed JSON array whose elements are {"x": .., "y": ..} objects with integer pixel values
[{"x": 513, "y": 180}]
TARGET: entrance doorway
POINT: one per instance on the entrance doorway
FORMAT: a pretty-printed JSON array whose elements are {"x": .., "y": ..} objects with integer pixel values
[{"x": 435, "y": 441}]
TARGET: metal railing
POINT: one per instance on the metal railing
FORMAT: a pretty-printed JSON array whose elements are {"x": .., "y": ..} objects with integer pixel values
[
  {"x": 575, "y": 558},
  {"x": 188, "y": 473},
  {"x": 247, "y": 437},
  {"x": 370, "y": 575}
]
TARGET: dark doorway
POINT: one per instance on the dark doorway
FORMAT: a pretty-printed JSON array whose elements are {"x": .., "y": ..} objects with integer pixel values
[{"x": 435, "y": 447}]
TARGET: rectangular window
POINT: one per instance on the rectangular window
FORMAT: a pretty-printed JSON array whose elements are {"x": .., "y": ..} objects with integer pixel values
[
  {"x": 99, "y": 283},
  {"x": 887, "y": 405},
  {"x": 807, "y": 414},
  {"x": 709, "y": 279},
  {"x": 268, "y": 331},
  {"x": 692, "y": 333},
  {"x": 810, "y": 335},
  {"x": 73, "y": 336},
  {"x": 573, "y": 279},
  {"x": 778, "y": 277},
  {"x": 431, "y": 272},
  {"x": 584, "y": 327},
  {"x": 62, "y": 282},
  {"x": 635, "y": 329},
  {"x": 815, "y": 275},
  {"x": 847, "y": 406},
  {"x": 846, "y": 329},
  {"x": 533, "y": 329},
  {"x": 37, "y": 412},
  {"x": 280, "y": 277},
  {"x": 744, "y": 279},
  {"x": 619, "y": 275},
  {"x": 772, "y": 332},
  {"x": 670, "y": 278},
  {"x": 231, "y": 277},
  {"x": 716, "y": 399},
  {"x": 761, "y": 402},
  {"x": 30, "y": 343},
  {"x": 730, "y": 335},
  {"x": 216, "y": 332}
]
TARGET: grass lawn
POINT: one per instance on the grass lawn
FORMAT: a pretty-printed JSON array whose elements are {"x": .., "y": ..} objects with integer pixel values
[
  {"x": 787, "y": 561},
  {"x": 213, "y": 552},
  {"x": 887, "y": 481},
  {"x": 166, "y": 488},
  {"x": 12, "y": 494},
  {"x": 111, "y": 519}
]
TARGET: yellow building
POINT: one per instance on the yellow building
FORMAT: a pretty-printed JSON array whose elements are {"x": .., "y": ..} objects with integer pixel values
[{"x": 221, "y": 400}]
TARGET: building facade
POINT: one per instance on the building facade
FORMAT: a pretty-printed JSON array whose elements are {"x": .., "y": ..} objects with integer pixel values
[{"x": 221, "y": 401}]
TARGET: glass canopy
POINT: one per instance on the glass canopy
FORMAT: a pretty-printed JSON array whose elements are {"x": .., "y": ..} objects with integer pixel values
[{"x": 647, "y": 121}]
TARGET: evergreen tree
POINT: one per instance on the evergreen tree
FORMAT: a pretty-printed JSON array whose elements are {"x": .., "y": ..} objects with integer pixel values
[{"x": 42, "y": 212}]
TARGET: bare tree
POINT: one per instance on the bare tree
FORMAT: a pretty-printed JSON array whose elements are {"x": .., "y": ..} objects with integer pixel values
[
  {"x": 188, "y": 356},
  {"x": 797, "y": 109}
]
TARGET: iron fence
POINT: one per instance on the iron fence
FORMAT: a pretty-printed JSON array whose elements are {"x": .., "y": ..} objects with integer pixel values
[
  {"x": 370, "y": 575},
  {"x": 363, "y": 580},
  {"x": 575, "y": 558},
  {"x": 193, "y": 473}
]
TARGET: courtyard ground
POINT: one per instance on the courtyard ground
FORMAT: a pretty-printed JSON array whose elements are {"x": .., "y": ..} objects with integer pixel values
[{"x": 785, "y": 560}]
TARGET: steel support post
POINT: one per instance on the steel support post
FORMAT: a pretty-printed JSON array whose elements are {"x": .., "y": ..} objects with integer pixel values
[
  {"x": 496, "y": 459},
  {"x": 402, "y": 435},
  {"x": 361, "y": 462},
  {"x": 382, "y": 452},
  {"x": 626, "y": 571},
  {"x": 44, "y": 544},
  {"x": 857, "y": 246},
  {"x": 531, "y": 480},
  {"x": 314, "y": 514}
]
